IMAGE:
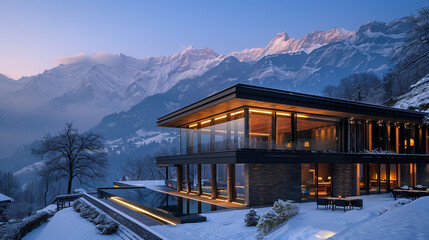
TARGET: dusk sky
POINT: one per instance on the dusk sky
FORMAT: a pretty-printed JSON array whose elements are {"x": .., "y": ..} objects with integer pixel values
[{"x": 35, "y": 34}]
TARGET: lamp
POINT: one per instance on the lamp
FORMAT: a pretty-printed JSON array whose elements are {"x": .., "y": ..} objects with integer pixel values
[
  {"x": 329, "y": 178},
  {"x": 307, "y": 144},
  {"x": 288, "y": 145},
  {"x": 320, "y": 178}
]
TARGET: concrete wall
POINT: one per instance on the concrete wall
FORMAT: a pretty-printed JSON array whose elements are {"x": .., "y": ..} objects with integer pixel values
[
  {"x": 344, "y": 179},
  {"x": 266, "y": 183}
]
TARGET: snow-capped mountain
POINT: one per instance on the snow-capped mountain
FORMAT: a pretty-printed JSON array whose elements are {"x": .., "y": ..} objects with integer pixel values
[
  {"x": 8, "y": 85},
  {"x": 417, "y": 98},
  {"x": 282, "y": 44},
  {"x": 306, "y": 67},
  {"x": 88, "y": 88}
]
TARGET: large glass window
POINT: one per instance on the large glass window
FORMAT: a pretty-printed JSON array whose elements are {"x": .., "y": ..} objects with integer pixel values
[
  {"x": 317, "y": 133},
  {"x": 393, "y": 175},
  {"x": 239, "y": 181},
  {"x": 284, "y": 131},
  {"x": 222, "y": 179},
  {"x": 237, "y": 130},
  {"x": 383, "y": 178},
  {"x": 260, "y": 131},
  {"x": 373, "y": 177},
  {"x": 363, "y": 178},
  {"x": 206, "y": 183},
  {"x": 308, "y": 181},
  {"x": 193, "y": 177},
  {"x": 324, "y": 179},
  {"x": 220, "y": 132}
]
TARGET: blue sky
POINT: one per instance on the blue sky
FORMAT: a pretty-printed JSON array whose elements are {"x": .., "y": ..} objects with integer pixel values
[{"x": 35, "y": 33}]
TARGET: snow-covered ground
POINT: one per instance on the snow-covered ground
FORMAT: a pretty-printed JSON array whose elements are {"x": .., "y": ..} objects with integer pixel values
[
  {"x": 68, "y": 224},
  {"x": 319, "y": 224}
]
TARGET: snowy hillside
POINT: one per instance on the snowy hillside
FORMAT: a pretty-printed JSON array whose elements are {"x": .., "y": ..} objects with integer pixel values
[{"x": 417, "y": 98}]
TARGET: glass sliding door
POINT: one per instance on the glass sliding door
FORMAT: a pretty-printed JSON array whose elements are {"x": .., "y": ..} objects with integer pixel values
[
  {"x": 308, "y": 181},
  {"x": 221, "y": 180},
  {"x": 206, "y": 183},
  {"x": 239, "y": 181},
  {"x": 383, "y": 178},
  {"x": 393, "y": 175},
  {"x": 324, "y": 179},
  {"x": 374, "y": 177},
  {"x": 193, "y": 177},
  {"x": 363, "y": 178}
]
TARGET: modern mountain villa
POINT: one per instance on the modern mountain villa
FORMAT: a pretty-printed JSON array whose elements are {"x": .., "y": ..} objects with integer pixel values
[{"x": 254, "y": 145}]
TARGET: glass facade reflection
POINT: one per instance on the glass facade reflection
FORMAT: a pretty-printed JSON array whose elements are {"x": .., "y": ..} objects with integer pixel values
[
  {"x": 317, "y": 133},
  {"x": 239, "y": 181}
]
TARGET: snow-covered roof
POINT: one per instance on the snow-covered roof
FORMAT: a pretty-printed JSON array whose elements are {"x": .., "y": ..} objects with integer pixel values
[{"x": 4, "y": 198}]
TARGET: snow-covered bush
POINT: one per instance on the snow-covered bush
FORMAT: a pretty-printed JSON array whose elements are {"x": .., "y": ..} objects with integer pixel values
[
  {"x": 105, "y": 224},
  {"x": 108, "y": 228},
  {"x": 280, "y": 213},
  {"x": 17, "y": 230},
  {"x": 251, "y": 218},
  {"x": 397, "y": 203}
]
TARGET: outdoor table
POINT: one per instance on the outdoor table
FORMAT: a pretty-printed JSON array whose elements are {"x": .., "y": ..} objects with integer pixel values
[
  {"x": 408, "y": 190},
  {"x": 332, "y": 200}
]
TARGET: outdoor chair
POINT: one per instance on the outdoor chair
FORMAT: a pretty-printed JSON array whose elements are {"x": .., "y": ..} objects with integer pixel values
[
  {"x": 341, "y": 203},
  {"x": 356, "y": 203},
  {"x": 324, "y": 202},
  {"x": 405, "y": 194},
  {"x": 413, "y": 195}
]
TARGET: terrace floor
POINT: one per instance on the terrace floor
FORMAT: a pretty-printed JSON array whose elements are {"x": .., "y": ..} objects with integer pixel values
[
  {"x": 311, "y": 223},
  {"x": 158, "y": 185}
]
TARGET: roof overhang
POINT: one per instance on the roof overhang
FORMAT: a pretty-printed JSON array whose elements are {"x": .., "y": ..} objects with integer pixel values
[
  {"x": 263, "y": 157},
  {"x": 242, "y": 95}
]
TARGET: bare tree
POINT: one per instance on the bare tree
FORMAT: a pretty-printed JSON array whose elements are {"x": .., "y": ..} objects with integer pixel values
[
  {"x": 412, "y": 56},
  {"x": 73, "y": 155},
  {"x": 360, "y": 87},
  {"x": 9, "y": 184}
]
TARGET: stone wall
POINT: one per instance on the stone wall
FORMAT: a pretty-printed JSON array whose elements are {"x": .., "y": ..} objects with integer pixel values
[
  {"x": 266, "y": 183},
  {"x": 344, "y": 179}
]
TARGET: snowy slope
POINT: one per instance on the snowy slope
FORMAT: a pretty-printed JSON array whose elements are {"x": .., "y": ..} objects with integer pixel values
[
  {"x": 282, "y": 44},
  {"x": 417, "y": 98}
]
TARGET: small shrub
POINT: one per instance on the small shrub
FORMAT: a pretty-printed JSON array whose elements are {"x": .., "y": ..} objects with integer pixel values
[
  {"x": 105, "y": 224},
  {"x": 251, "y": 218},
  {"x": 108, "y": 228},
  {"x": 280, "y": 213}
]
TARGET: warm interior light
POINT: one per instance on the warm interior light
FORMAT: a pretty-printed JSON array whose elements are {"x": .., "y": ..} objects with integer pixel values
[
  {"x": 302, "y": 116},
  {"x": 307, "y": 144},
  {"x": 259, "y": 111},
  {"x": 289, "y": 145},
  {"x": 283, "y": 114},
  {"x": 320, "y": 178},
  {"x": 116, "y": 199},
  {"x": 232, "y": 114},
  {"x": 260, "y": 134},
  {"x": 222, "y": 117},
  {"x": 220, "y": 131},
  {"x": 411, "y": 142},
  {"x": 206, "y": 121},
  {"x": 329, "y": 178},
  {"x": 193, "y": 125}
]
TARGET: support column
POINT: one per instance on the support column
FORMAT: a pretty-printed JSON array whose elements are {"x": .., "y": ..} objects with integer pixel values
[
  {"x": 213, "y": 181},
  {"x": 179, "y": 177},
  {"x": 246, "y": 128},
  {"x": 228, "y": 131},
  {"x": 212, "y": 136},
  {"x": 231, "y": 182},
  {"x": 200, "y": 187},
  {"x": 166, "y": 173},
  {"x": 293, "y": 118},
  {"x": 273, "y": 130}
]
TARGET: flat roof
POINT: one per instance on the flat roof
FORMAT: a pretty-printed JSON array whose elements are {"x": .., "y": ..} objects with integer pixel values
[{"x": 242, "y": 95}]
